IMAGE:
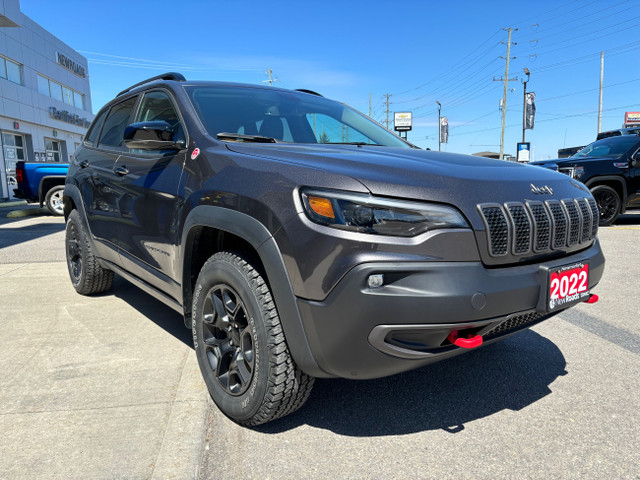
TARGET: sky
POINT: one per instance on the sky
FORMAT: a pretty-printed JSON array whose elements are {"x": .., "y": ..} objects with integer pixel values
[{"x": 419, "y": 52}]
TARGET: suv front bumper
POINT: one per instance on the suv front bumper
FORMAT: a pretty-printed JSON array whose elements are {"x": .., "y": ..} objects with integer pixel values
[{"x": 362, "y": 332}]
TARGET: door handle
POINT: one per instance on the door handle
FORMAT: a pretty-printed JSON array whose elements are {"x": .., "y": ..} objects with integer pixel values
[
  {"x": 122, "y": 171},
  {"x": 83, "y": 164}
]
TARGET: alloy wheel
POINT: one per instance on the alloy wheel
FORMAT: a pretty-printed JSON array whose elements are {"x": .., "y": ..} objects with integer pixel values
[
  {"x": 228, "y": 339},
  {"x": 607, "y": 205},
  {"x": 74, "y": 252}
]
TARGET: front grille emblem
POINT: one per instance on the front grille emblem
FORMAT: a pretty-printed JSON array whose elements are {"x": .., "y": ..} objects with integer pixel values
[{"x": 541, "y": 190}]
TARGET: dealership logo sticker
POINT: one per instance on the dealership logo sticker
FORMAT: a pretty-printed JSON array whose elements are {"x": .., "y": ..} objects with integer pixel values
[{"x": 195, "y": 153}]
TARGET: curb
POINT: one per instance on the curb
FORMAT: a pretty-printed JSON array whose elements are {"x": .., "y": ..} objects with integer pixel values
[
  {"x": 13, "y": 203},
  {"x": 26, "y": 212}
]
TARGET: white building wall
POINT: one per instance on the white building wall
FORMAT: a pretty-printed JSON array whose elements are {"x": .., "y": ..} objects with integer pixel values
[{"x": 36, "y": 49}]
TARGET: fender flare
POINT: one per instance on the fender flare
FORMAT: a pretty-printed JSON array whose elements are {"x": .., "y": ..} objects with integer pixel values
[
  {"x": 257, "y": 235},
  {"x": 73, "y": 192},
  {"x": 607, "y": 178}
]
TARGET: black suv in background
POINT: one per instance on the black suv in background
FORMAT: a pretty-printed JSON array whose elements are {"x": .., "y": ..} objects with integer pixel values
[
  {"x": 610, "y": 167},
  {"x": 300, "y": 239}
]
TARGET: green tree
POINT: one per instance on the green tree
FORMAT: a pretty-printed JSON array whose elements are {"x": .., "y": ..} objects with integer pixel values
[{"x": 324, "y": 138}]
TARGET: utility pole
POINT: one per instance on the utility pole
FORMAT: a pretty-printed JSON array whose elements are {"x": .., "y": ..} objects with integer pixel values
[
  {"x": 600, "y": 102},
  {"x": 506, "y": 80},
  {"x": 439, "y": 136},
  {"x": 270, "y": 81},
  {"x": 387, "y": 111},
  {"x": 524, "y": 105},
  {"x": 369, "y": 104}
]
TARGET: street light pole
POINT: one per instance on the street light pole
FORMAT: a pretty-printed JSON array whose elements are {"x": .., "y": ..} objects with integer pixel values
[
  {"x": 524, "y": 105},
  {"x": 439, "y": 137}
]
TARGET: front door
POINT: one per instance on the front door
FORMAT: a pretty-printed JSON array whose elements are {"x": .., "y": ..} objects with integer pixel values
[{"x": 147, "y": 233}]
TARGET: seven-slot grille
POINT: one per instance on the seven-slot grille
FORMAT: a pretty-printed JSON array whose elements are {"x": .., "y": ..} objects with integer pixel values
[{"x": 538, "y": 227}]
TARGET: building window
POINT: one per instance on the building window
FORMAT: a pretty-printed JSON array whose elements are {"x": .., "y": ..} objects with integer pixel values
[
  {"x": 52, "y": 148},
  {"x": 13, "y": 146},
  {"x": 52, "y": 89},
  {"x": 10, "y": 70}
]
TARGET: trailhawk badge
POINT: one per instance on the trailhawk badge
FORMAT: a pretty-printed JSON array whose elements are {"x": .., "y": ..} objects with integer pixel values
[{"x": 541, "y": 190}]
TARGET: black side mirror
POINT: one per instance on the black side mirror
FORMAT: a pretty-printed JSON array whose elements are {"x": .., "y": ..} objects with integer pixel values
[
  {"x": 156, "y": 135},
  {"x": 635, "y": 160}
]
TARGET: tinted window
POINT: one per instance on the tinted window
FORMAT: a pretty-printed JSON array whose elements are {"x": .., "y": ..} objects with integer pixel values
[
  {"x": 157, "y": 106},
  {"x": 611, "y": 147},
  {"x": 116, "y": 122},
  {"x": 92, "y": 135}
]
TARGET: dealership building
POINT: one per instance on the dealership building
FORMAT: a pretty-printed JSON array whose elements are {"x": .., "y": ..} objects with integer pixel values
[{"x": 45, "y": 100}]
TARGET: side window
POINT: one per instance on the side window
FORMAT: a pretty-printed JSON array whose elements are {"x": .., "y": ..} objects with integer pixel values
[
  {"x": 91, "y": 138},
  {"x": 157, "y": 106},
  {"x": 116, "y": 122}
]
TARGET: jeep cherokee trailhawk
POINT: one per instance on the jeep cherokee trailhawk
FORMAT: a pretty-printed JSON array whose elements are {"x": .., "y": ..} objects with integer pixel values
[{"x": 300, "y": 239}]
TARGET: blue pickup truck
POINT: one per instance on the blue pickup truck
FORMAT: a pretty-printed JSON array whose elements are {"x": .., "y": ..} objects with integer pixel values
[{"x": 42, "y": 182}]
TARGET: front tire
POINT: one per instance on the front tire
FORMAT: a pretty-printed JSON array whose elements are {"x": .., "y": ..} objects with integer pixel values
[
  {"x": 53, "y": 200},
  {"x": 87, "y": 276},
  {"x": 609, "y": 204},
  {"x": 240, "y": 345}
]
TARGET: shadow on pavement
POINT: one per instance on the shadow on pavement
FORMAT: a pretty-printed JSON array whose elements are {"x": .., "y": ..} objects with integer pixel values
[
  {"x": 156, "y": 311},
  {"x": 630, "y": 218},
  {"x": 15, "y": 235},
  {"x": 510, "y": 374}
]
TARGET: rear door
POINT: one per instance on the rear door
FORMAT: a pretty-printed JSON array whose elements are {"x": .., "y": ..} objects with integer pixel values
[
  {"x": 97, "y": 179},
  {"x": 147, "y": 229}
]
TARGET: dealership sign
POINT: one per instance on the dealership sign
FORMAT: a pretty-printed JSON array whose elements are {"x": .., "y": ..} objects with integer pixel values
[
  {"x": 402, "y": 121},
  {"x": 632, "y": 117},
  {"x": 65, "y": 116},
  {"x": 70, "y": 65}
]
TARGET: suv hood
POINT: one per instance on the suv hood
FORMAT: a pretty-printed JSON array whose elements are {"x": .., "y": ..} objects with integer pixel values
[{"x": 460, "y": 180}]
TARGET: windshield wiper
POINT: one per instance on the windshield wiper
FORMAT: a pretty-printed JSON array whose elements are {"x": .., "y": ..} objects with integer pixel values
[{"x": 245, "y": 138}]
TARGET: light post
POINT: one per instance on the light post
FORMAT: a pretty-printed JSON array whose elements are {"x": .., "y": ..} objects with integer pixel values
[
  {"x": 524, "y": 105},
  {"x": 439, "y": 139}
]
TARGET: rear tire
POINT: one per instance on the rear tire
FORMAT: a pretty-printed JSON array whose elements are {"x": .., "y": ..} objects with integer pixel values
[
  {"x": 53, "y": 200},
  {"x": 240, "y": 345},
  {"x": 609, "y": 204},
  {"x": 87, "y": 276}
]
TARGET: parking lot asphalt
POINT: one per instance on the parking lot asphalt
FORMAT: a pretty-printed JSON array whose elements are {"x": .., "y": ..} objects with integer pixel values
[
  {"x": 108, "y": 387},
  {"x": 90, "y": 387}
]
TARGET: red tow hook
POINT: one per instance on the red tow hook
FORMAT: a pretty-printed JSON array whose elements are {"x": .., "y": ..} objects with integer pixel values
[
  {"x": 593, "y": 298},
  {"x": 472, "y": 341}
]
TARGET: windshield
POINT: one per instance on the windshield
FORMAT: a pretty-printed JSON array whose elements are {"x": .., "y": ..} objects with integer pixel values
[
  {"x": 284, "y": 116},
  {"x": 611, "y": 147}
]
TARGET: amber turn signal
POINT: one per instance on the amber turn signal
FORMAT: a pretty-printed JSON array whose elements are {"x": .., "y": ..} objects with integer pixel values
[{"x": 321, "y": 206}]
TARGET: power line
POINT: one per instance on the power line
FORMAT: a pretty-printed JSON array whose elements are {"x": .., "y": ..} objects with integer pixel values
[
  {"x": 565, "y": 21},
  {"x": 454, "y": 67}
]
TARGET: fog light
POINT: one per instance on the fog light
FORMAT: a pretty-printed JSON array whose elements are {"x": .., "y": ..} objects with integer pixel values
[{"x": 375, "y": 281}]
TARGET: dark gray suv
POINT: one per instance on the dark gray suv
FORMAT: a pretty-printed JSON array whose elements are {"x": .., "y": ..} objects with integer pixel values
[{"x": 300, "y": 239}]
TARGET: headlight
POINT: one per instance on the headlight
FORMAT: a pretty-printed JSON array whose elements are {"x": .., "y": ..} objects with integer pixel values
[
  {"x": 366, "y": 214},
  {"x": 577, "y": 172},
  {"x": 573, "y": 172}
]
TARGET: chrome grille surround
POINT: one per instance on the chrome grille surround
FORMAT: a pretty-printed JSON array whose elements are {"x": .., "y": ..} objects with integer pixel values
[{"x": 533, "y": 227}]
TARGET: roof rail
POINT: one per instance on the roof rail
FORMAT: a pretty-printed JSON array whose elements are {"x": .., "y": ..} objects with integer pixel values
[
  {"x": 311, "y": 92},
  {"x": 178, "y": 77}
]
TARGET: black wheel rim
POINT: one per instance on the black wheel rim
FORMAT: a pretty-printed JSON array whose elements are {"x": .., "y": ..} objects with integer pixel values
[
  {"x": 74, "y": 253},
  {"x": 228, "y": 341},
  {"x": 607, "y": 205}
]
